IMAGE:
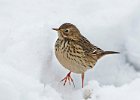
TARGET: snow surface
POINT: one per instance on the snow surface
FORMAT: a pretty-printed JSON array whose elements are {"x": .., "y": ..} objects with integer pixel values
[{"x": 29, "y": 69}]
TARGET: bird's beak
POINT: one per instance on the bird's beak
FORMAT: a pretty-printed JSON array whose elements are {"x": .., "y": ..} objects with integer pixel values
[{"x": 56, "y": 29}]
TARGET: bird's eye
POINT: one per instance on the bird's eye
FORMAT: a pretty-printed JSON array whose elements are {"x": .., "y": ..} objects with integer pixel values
[{"x": 66, "y": 30}]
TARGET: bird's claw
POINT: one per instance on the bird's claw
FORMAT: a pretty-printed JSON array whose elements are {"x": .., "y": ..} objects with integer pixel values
[{"x": 68, "y": 77}]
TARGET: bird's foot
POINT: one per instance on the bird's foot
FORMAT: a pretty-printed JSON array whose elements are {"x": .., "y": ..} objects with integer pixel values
[{"x": 68, "y": 78}]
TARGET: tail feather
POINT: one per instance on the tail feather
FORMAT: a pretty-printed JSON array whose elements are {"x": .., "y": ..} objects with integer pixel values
[{"x": 108, "y": 52}]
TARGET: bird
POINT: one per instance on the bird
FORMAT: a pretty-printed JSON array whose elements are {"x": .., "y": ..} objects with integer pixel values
[{"x": 75, "y": 52}]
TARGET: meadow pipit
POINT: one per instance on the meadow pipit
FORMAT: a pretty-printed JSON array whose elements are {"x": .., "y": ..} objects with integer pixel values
[{"x": 75, "y": 52}]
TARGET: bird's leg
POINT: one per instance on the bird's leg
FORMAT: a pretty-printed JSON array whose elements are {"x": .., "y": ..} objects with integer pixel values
[
  {"x": 68, "y": 77},
  {"x": 82, "y": 76}
]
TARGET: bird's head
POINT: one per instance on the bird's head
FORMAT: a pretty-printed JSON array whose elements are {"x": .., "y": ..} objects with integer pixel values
[{"x": 68, "y": 31}]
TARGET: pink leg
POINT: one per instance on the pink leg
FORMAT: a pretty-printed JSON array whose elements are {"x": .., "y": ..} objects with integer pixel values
[
  {"x": 68, "y": 77},
  {"x": 82, "y": 79}
]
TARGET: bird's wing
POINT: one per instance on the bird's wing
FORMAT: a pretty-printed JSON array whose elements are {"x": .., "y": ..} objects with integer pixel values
[
  {"x": 89, "y": 48},
  {"x": 89, "y": 51}
]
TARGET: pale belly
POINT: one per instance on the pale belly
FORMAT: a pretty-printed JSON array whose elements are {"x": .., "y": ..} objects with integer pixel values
[{"x": 70, "y": 63}]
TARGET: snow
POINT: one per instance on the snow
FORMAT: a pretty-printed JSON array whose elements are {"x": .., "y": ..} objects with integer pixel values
[
  {"x": 110, "y": 92},
  {"x": 29, "y": 69}
]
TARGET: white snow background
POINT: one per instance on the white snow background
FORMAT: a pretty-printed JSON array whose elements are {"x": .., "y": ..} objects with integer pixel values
[{"x": 29, "y": 69}]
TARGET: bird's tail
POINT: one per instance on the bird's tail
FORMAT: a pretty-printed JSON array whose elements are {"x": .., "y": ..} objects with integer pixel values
[{"x": 108, "y": 52}]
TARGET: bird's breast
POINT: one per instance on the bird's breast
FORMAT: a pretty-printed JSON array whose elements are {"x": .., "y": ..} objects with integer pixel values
[{"x": 67, "y": 56}]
